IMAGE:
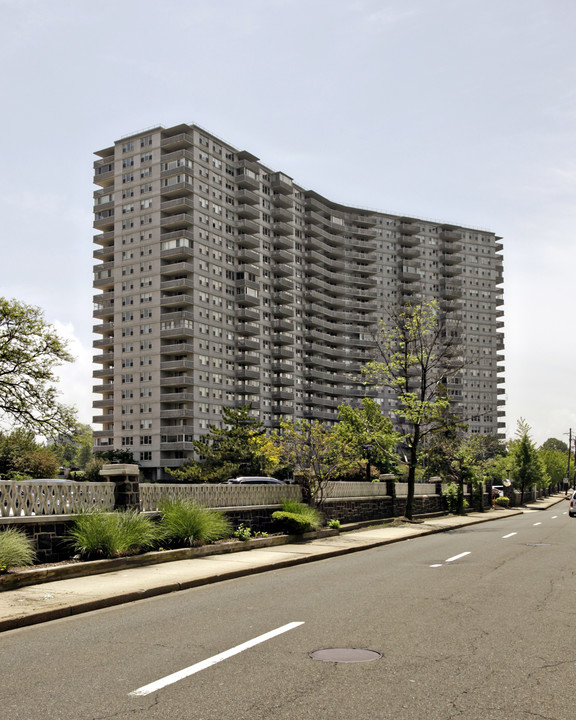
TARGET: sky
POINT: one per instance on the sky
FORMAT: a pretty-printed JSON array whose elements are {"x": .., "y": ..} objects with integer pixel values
[{"x": 460, "y": 111}]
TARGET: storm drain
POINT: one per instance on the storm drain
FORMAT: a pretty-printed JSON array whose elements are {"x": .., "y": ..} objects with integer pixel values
[{"x": 345, "y": 655}]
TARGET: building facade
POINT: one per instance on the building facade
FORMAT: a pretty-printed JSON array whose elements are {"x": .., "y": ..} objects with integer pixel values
[{"x": 223, "y": 282}]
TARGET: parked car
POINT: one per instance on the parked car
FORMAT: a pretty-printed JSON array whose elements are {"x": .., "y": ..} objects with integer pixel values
[
  {"x": 253, "y": 480},
  {"x": 572, "y": 506}
]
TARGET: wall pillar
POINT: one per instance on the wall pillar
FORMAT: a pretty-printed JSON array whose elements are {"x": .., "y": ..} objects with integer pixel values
[{"x": 126, "y": 486}]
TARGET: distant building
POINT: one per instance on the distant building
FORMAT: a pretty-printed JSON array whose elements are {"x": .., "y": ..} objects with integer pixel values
[{"x": 223, "y": 282}]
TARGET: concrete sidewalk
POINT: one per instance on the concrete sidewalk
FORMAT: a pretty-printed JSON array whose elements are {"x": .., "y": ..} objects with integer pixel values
[{"x": 62, "y": 598}]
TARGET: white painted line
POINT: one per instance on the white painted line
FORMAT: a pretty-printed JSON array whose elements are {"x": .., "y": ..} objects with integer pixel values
[
  {"x": 436, "y": 565},
  {"x": 539, "y": 523},
  {"x": 554, "y": 517},
  {"x": 457, "y": 557},
  {"x": 181, "y": 674},
  {"x": 509, "y": 535},
  {"x": 565, "y": 513}
]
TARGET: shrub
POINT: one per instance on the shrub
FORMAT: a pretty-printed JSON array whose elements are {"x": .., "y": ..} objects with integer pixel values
[
  {"x": 314, "y": 517},
  {"x": 113, "y": 534},
  {"x": 292, "y": 523},
  {"x": 92, "y": 471},
  {"x": 451, "y": 495},
  {"x": 243, "y": 532},
  {"x": 16, "y": 549},
  {"x": 502, "y": 500},
  {"x": 334, "y": 524},
  {"x": 186, "y": 523}
]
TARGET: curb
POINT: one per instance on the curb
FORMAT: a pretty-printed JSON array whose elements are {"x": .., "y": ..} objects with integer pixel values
[{"x": 111, "y": 601}]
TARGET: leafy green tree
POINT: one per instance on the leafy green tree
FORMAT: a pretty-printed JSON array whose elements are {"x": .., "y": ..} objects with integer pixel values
[
  {"x": 555, "y": 444},
  {"x": 461, "y": 458},
  {"x": 74, "y": 449},
  {"x": 12, "y": 446},
  {"x": 21, "y": 456},
  {"x": 92, "y": 469},
  {"x": 119, "y": 456},
  {"x": 40, "y": 463},
  {"x": 225, "y": 452},
  {"x": 30, "y": 350},
  {"x": 556, "y": 464},
  {"x": 415, "y": 354},
  {"x": 312, "y": 449},
  {"x": 527, "y": 466},
  {"x": 359, "y": 427}
]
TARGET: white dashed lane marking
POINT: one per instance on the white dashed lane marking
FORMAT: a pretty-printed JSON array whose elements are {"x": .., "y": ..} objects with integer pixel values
[{"x": 509, "y": 535}]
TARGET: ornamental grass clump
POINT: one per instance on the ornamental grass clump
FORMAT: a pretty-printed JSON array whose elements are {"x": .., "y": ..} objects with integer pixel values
[
  {"x": 297, "y": 518},
  {"x": 16, "y": 549},
  {"x": 186, "y": 523},
  {"x": 113, "y": 534}
]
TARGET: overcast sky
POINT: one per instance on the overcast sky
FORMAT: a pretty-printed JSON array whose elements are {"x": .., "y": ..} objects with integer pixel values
[{"x": 460, "y": 111}]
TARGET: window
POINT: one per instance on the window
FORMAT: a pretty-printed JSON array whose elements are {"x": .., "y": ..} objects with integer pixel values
[
  {"x": 147, "y": 157},
  {"x": 127, "y": 147}
]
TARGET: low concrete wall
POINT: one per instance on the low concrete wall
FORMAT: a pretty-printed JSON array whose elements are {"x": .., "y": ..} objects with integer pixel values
[{"x": 50, "y": 533}]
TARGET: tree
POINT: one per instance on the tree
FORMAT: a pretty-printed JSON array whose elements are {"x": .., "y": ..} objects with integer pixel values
[
  {"x": 528, "y": 469},
  {"x": 312, "y": 449},
  {"x": 29, "y": 351},
  {"x": 556, "y": 464},
  {"x": 40, "y": 463},
  {"x": 415, "y": 354},
  {"x": 74, "y": 449},
  {"x": 368, "y": 426},
  {"x": 235, "y": 449},
  {"x": 555, "y": 444},
  {"x": 21, "y": 456}
]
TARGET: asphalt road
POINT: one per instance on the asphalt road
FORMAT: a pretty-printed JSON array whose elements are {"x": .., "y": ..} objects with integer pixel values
[{"x": 476, "y": 623}]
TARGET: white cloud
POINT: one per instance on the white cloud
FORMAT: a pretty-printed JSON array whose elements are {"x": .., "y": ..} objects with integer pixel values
[{"x": 76, "y": 377}]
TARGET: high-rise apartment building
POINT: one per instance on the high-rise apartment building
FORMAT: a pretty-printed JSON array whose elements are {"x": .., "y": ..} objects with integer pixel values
[{"x": 223, "y": 282}]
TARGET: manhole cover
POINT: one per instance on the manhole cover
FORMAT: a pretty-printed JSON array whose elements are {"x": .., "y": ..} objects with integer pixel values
[
  {"x": 345, "y": 655},
  {"x": 538, "y": 544}
]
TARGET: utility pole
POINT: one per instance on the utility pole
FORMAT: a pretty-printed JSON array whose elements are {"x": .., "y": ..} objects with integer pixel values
[{"x": 569, "y": 451}]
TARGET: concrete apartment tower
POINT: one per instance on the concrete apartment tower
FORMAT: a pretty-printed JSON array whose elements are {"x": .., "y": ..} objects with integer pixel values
[{"x": 223, "y": 282}]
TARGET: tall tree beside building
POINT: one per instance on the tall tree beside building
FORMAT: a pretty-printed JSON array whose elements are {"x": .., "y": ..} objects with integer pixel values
[{"x": 415, "y": 355}]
